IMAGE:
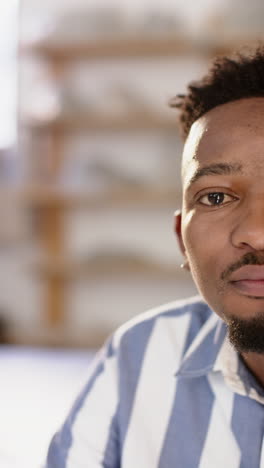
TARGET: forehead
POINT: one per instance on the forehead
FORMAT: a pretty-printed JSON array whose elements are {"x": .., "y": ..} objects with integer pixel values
[{"x": 232, "y": 132}]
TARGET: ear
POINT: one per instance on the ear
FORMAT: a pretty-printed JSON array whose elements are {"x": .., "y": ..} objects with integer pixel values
[{"x": 178, "y": 229}]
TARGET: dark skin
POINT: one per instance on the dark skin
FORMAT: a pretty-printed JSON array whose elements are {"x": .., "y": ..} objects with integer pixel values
[{"x": 221, "y": 223}]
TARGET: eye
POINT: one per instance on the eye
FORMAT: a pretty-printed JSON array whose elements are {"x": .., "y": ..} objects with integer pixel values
[{"x": 215, "y": 199}]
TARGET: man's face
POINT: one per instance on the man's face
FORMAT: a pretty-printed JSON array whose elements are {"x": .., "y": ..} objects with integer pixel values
[{"x": 221, "y": 230}]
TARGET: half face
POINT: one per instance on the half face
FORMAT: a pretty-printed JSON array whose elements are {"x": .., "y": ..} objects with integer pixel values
[{"x": 221, "y": 229}]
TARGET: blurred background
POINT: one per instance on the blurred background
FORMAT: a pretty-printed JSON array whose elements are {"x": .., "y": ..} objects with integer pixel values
[{"x": 90, "y": 179}]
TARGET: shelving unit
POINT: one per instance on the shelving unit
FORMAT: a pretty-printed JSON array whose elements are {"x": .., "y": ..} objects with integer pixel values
[
  {"x": 52, "y": 201},
  {"x": 44, "y": 196},
  {"x": 141, "y": 121},
  {"x": 134, "y": 47}
]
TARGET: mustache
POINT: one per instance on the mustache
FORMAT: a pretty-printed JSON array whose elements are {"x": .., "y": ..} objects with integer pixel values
[{"x": 248, "y": 259}]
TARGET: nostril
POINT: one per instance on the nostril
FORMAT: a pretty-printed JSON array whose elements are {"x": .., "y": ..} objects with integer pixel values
[{"x": 252, "y": 238}]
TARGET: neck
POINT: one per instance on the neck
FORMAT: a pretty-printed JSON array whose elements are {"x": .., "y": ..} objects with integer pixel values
[{"x": 255, "y": 363}]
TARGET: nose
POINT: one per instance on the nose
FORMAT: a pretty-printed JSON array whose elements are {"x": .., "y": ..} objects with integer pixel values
[{"x": 248, "y": 232}]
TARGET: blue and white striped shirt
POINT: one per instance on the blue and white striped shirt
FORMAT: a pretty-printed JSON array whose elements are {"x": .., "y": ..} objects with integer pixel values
[{"x": 168, "y": 390}]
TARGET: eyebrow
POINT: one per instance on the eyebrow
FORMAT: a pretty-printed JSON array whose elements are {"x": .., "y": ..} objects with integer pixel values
[{"x": 216, "y": 169}]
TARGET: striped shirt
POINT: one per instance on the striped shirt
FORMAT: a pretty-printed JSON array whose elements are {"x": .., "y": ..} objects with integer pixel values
[{"x": 167, "y": 391}]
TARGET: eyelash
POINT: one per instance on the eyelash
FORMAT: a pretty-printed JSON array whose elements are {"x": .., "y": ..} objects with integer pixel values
[{"x": 215, "y": 193}]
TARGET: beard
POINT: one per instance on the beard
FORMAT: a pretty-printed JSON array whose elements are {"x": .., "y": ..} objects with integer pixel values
[{"x": 247, "y": 335}]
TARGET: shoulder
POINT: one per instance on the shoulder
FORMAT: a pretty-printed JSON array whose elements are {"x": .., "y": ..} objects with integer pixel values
[{"x": 184, "y": 316}]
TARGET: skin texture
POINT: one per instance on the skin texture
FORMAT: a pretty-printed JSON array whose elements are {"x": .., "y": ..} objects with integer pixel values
[{"x": 220, "y": 234}]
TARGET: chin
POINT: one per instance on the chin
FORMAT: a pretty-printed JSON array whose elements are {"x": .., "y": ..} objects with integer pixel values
[
  {"x": 247, "y": 335},
  {"x": 236, "y": 306}
]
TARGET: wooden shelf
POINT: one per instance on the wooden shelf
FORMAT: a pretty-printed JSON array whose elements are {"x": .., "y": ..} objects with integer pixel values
[
  {"x": 61, "y": 335},
  {"x": 134, "y": 46},
  {"x": 130, "y": 122},
  {"x": 111, "y": 47},
  {"x": 91, "y": 269},
  {"x": 49, "y": 197}
]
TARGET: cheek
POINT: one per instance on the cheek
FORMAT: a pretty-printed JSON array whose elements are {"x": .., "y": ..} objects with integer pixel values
[
  {"x": 203, "y": 245},
  {"x": 195, "y": 238},
  {"x": 200, "y": 253}
]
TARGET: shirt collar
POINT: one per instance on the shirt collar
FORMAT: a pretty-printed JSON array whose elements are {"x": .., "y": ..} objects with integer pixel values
[
  {"x": 211, "y": 351},
  {"x": 203, "y": 354}
]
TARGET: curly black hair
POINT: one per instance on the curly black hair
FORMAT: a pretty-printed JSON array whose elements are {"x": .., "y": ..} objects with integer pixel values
[{"x": 228, "y": 79}]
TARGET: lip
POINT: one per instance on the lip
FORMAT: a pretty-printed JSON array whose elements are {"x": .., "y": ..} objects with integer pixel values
[
  {"x": 248, "y": 272},
  {"x": 249, "y": 280}
]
